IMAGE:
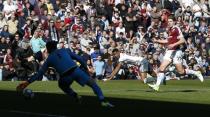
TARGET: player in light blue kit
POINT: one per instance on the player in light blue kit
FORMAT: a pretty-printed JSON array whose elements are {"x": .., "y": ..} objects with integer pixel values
[{"x": 62, "y": 61}]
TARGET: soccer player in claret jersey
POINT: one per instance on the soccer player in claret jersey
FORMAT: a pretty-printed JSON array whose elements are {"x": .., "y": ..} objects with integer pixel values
[{"x": 173, "y": 54}]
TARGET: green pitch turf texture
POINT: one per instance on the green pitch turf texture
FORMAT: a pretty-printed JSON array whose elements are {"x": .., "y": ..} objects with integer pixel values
[{"x": 130, "y": 97}]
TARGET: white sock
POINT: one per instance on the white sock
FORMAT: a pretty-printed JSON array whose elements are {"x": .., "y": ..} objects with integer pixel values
[
  {"x": 188, "y": 71},
  {"x": 160, "y": 77},
  {"x": 145, "y": 80}
]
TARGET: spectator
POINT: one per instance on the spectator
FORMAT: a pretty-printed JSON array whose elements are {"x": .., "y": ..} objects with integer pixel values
[
  {"x": 9, "y": 8},
  {"x": 12, "y": 25},
  {"x": 3, "y": 21},
  {"x": 53, "y": 32},
  {"x": 1, "y": 5},
  {"x": 99, "y": 67},
  {"x": 37, "y": 45},
  {"x": 120, "y": 29},
  {"x": 5, "y": 32},
  {"x": 95, "y": 54},
  {"x": 85, "y": 41},
  {"x": 8, "y": 59}
]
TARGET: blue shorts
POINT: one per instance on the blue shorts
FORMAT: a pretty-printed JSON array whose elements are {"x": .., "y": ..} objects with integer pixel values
[{"x": 77, "y": 75}]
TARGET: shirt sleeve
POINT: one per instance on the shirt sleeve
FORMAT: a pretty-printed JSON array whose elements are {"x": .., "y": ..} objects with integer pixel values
[
  {"x": 122, "y": 58},
  {"x": 77, "y": 57}
]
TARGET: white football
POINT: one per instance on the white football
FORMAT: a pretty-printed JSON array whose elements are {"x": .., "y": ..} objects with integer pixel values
[{"x": 28, "y": 93}]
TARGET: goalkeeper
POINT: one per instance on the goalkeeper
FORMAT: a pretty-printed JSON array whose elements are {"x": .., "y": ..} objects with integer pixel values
[{"x": 62, "y": 61}]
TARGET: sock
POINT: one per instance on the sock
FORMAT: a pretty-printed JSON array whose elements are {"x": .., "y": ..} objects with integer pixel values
[
  {"x": 188, "y": 71},
  {"x": 97, "y": 90},
  {"x": 145, "y": 80},
  {"x": 160, "y": 77}
]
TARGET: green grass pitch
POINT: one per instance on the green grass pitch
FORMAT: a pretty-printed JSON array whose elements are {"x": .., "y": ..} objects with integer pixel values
[{"x": 128, "y": 96}]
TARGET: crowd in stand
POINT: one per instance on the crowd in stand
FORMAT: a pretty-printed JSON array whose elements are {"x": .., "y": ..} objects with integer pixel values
[{"x": 93, "y": 28}]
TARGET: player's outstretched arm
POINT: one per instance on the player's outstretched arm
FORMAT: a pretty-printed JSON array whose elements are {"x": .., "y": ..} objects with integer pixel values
[
  {"x": 40, "y": 73},
  {"x": 160, "y": 41},
  {"x": 117, "y": 68}
]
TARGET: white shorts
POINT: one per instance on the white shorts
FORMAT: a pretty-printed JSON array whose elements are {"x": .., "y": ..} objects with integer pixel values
[{"x": 175, "y": 56}]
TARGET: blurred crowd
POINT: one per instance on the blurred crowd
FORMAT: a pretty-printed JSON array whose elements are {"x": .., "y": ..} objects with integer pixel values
[{"x": 93, "y": 28}]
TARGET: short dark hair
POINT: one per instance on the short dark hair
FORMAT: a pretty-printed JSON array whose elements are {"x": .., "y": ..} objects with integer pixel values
[
  {"x": 172, "y": 17},
  {"x": 51, "y": 46},
  {"x": 115, "y": 50}
]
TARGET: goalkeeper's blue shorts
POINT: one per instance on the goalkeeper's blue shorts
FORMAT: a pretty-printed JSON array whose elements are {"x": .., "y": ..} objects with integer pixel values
[{"x": 77, "y": 75}]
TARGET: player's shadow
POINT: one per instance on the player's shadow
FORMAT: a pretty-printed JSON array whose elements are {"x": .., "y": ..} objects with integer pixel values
[
  {"x": 51, "y": 104},
  {"x": 165, "y": 91},
  {"x": 187, "y": 90}
]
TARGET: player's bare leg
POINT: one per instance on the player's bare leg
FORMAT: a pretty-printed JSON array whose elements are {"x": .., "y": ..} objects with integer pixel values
[
  {"x": 153, "y": 74},
  {"x": 143, "y": 76},
  {"x": 183, "y": 71},
  {"x": 160, "y": 75}
]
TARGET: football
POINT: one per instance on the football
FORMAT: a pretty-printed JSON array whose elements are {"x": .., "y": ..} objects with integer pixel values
[{"x": 28, "y": 94}]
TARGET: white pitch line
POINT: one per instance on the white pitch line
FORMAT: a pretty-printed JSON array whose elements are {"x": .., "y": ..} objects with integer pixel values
[
  {"x": 36, "y": 114},
  {"x": 117, "y": 90}
]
